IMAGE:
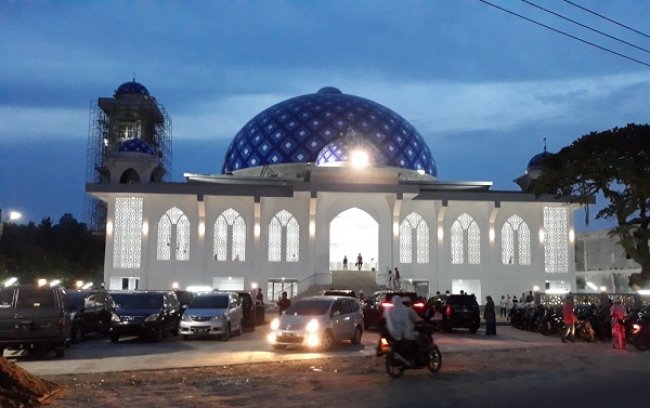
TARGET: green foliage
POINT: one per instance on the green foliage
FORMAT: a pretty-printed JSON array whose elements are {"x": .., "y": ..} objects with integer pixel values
[
  {"x": 67, "y": 251},
  {"x": 615, "y": 163}
]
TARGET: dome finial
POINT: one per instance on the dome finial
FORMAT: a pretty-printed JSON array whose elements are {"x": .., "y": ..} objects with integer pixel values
[
  {"x": 134, "y": 77},
  {"x": 544, "y": 145}
]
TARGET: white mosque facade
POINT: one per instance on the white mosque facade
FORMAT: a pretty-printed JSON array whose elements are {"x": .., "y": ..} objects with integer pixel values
[{"x": 316, "y": 178}]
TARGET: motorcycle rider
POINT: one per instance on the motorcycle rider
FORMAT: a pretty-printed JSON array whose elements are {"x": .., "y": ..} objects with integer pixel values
[
  {"x": 618, "y": 313},
  {"x": 400, "y": 323}
]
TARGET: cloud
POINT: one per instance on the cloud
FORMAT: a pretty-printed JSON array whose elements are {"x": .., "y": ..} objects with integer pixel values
[{"x": 24, "y": 123}]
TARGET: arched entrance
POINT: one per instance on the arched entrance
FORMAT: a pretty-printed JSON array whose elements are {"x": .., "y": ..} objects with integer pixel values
[{"x": 354, "y": 232}]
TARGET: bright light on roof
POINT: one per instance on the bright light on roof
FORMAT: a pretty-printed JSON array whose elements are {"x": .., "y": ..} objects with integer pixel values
[
  {"x": 359, "y": 159},
  {"x": 87, "y": 285},
  {"x": 55, "y": 282},
  {"x": 592, "y": 286},
  {"x": 15, "y": 215},
  {"x": 10, "y": 281},
  {"x": 644, "y": 292},
  {"x": 199, "y": 288}
]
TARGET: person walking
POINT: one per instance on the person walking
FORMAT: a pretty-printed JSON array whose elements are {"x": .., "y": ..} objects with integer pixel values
[
  {"x": 389, "y": 279},
  {"x": 490, "y": 317},
  {"x": 569, "y": 319},
  {"x": 283, "y": 303},
  {"x": 397, "y": 282},
  {"x": 618, "y": 314},
  {"x": 345, "y": 262}
]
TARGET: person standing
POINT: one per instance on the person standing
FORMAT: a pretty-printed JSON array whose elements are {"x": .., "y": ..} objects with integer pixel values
[
  {"x": 569, "y": 319},
  {"x": 397, "y": 282},
  {"x": 259, "y": 297},
  {"x": 359, "y": 263},
  {"x": 362, "y": 296},
  {"x": 618, "y": 314},
  {"x": 284, "y": 302},
  {"x": 389, "y": 279},
  {"x": 490, "y": 317},
  {"x": 504, "y": 306},
  {"x": 345, "y": 262}
]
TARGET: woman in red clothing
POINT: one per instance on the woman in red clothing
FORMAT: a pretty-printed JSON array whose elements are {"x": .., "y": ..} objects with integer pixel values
[{"x": 569, "y": 319}]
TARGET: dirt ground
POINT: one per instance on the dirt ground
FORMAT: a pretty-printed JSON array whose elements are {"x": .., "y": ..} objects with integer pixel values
[{"x": 342, "y": 382}]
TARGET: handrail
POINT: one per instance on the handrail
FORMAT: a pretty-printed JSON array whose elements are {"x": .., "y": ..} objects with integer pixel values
[{"x": 299, "y": 283}]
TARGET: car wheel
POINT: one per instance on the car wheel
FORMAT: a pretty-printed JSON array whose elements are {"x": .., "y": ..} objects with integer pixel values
[
  {"x": 327, "y": 341},
  {"x": 158, "y": 335},
  {"x": 356, "y": 337},
  {"x": 114, "y": 337},
  {"x": 435, "y": 359},
  {"x": 226, "y": 333},
  {"x": 76, "y": 335}
]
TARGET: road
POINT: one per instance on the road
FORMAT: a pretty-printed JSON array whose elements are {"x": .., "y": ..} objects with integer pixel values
[{"x": 100, "y": 355}]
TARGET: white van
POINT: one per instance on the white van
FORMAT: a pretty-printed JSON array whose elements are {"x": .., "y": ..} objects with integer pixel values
[{"x": 213, "y": 314}]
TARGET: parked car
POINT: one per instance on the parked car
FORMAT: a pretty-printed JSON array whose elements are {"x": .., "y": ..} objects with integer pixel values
[
  {"x": 35, "y": 318},
  {"x": 373, "y": 307},
  {"x": 318, "y": 322},
  {"x": 90, "y": 312},
  {"x": 213, "y": 314},
  {"x": 149, "y": 314},
  {"x": 461, "y": 311},
  {"x": 248, "y": 309},
  {"x": 339, "y": 292}
]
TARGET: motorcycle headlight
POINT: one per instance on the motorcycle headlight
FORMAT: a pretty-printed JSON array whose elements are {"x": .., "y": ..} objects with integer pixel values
[
  {"x": 152, "y": 317},
  {"x": 312, "y": 326},
  {"x": 115, "y": 318},
  {"x": 275, "y": 324}
]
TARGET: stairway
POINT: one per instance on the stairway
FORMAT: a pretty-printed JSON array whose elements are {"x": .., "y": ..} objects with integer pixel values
[{"x": 348, "y": 279}]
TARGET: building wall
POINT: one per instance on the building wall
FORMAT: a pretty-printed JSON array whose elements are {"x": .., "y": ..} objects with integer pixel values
[{"x": 495, "y": 277}]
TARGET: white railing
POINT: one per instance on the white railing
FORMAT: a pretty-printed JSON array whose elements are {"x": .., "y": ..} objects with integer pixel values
[{"x": 366, "y": 266}]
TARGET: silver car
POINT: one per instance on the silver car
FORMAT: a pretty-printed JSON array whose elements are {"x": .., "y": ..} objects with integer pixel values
[
  {"x": 212, "y": 314},
  {"x": 317, "y": 322}
]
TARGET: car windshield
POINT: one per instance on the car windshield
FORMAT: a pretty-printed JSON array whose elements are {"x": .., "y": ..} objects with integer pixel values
[
  {"x": 75, "y": 300},
  {"x": 309, "y": 308},
  {"x": 209, "y": 302},
  {"x": 32, "y": 297},
  {"x": 138, "y": 300},
  {"x": 461, "y": 300}
]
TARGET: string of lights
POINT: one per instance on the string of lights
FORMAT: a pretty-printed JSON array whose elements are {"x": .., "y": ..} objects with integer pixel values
[
  {"x": 585, "y": 26},
  {"x": 600, "y": 47},
  {"x": 606, "y": 18}
]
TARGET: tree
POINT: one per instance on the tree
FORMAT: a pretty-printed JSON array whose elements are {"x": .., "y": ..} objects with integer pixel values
[{"x": 615, "y": 163}]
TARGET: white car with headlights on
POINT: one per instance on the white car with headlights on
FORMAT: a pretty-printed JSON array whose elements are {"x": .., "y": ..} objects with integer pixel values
[
  {"x": 212, "y": 314},
  {"x": 317, "y": 323}
]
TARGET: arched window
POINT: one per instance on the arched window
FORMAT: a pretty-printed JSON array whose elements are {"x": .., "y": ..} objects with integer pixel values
[
  {"x": 284, "y": 231},
  {"x": 130, "y": 176},
  {"x": 413, "y": 224},
  {"x": 230, "y": 227},
  {"x": 556, "y": 239},
  {"x": 465, "y": 223},
  {"x": 173, "y": 232},
  {"x": 515, "y": 242}
]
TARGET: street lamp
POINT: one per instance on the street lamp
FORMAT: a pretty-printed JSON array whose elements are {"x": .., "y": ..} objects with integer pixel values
[{"x": 13, "y": 216}]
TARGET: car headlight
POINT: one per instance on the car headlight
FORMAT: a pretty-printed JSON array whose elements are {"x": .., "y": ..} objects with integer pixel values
[
  {"x": 152, "y": 317},
  {"x": 115, "y": 318},
  {"x": 275, "y": 324},
  {"x": 312, "y": 326},
  {"x": 185, "y": 317},
  {"x": 217, "y": 318}
]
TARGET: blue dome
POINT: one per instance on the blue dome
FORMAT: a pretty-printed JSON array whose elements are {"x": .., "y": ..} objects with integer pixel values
[
  {"x": 297, "y": 130},
  {"x": 136, "y": 145},
  {"x": 536, "y": 161},
  {"x": 131, "y": 88}
]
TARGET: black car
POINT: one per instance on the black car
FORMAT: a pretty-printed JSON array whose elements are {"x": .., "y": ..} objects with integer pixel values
[
  {"x": 461, "y": 311},
  {"x": 148, "y": 314},
  {"x": 35, "y": 318},
  {"x": 184, "y": 297},
  {"x": 248, "y": 307},
  {"x": 90, "y": 312},
  {"x": 373, "y": 308}
]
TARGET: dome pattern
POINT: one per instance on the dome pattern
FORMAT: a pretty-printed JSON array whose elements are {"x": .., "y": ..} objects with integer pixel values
[
  {"x": 298, "y": 129},
  {"x": 136, "y": 145},
  {"x": 131, "y": 88}
]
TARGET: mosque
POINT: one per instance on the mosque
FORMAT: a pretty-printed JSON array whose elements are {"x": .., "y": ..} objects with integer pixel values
[{"x": 304, "y": 184}]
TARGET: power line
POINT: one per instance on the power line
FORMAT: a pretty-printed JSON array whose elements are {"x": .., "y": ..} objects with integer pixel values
[
  {"x": 586, "y": 26},
  {"x": 607, "y": 18},
  {"x": 566, "y": 34}
]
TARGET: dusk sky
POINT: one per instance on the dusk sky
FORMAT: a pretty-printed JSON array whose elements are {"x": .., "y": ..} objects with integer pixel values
[{"x": 482, "y": 86}]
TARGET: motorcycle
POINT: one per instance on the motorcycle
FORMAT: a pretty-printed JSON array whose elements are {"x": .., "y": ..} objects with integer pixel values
[
  {"x": 427, "y": 355},
  {"x": 638, "y": 330}
]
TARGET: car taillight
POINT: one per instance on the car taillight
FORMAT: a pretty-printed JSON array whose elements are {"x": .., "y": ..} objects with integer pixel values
[
  {"x": 418, "y": 305},
  {"x": 448, "y": 310},
  {"x": 386, "y": 304},
  {"x": 636, "y": 328}
]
